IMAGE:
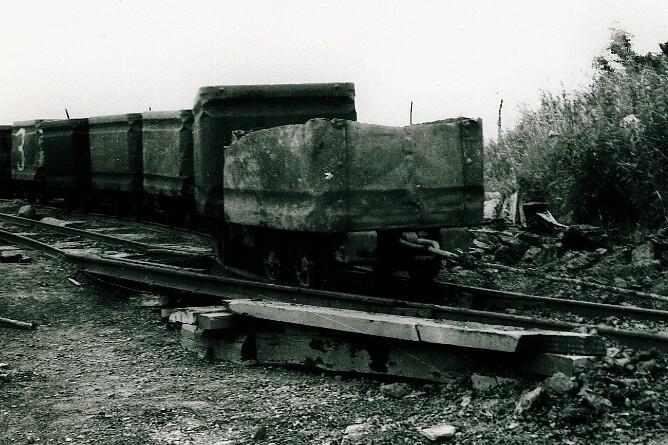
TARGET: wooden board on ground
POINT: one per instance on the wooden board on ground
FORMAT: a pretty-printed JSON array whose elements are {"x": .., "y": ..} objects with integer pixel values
[
  {"x": 361, "y": 355},
  {"x": 188, "y": 315},
  {"x": 548, "y": 364},
  {"x": 214, "y": 320},
  {"x": 294, "y": 345},
  {"x": 444, "y": 332}
]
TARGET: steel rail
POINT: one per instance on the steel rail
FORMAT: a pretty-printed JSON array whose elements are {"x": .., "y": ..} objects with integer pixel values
[
  {"x": 54, "y": 252},
  {"x": 499, "y": 299},
  {"x": 112, "y": 219},
  {"x": 90, "y": 235}
]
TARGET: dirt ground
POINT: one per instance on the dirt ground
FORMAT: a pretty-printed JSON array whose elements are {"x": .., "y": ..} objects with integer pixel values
[{"x": 100, "y": 369}]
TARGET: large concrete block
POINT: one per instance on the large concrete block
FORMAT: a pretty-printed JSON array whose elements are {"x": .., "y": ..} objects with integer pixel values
[{"x": 343, "y": 176}]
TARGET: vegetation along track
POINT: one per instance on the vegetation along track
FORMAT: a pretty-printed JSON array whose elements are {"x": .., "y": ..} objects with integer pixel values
[{"x": 150, "y": 265}]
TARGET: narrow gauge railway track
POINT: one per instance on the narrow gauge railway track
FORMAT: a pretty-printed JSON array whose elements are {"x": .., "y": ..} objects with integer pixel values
[
  {"x": 11, "y": 206},
  {"x": 61, "y": 240},
  {"x": 164, "y": 275}
]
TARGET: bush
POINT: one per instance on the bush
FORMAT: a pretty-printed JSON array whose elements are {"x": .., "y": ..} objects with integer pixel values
[{"x": 599, "y": 155}]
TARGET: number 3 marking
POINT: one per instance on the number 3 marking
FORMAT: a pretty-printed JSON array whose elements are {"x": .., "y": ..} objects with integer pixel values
[{"x": 21, "y": 161}]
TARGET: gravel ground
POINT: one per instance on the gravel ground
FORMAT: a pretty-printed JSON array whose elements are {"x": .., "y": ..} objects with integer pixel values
[{"x": 100, "y": 369}]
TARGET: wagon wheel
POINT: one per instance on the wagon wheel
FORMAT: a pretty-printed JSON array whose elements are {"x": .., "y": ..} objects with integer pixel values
[
  {"x": 306, "y": 272},
  {"x": 272, "y": 262},
  {"x": 424, "y": 272}
]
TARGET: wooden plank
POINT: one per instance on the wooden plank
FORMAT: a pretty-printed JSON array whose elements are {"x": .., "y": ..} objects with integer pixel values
[
  {"x": 166, "y": 312},
  {"x": 337, "y": 319},
  {"x": 454, "y": 333},
  {"x": 549, "y": 364},
  {"x": 508, "y": 339},
  {"x": 235, "y": 347},
  {"x": 188, "y": 315},
  {"x": 365, "y": 355},
  {"x": 214, "y": 320}
]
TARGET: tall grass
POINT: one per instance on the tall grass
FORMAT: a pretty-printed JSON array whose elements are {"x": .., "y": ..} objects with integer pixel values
[{"x": 599, "y": 155}]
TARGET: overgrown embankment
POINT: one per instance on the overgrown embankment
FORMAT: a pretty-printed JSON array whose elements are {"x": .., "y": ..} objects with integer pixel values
[{"x": 598, "y": 155}]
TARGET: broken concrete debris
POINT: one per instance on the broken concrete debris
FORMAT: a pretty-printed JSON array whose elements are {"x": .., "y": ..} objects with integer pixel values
[
  {"x": 13, "y": 256},
  {"x": 559, "y": 383},
  {"x": 395, "y": 390},
  {"x": 27, "y": 211},
  {"x": 356, "y": 431},
  {"x": 528, "y": 400},
  {"x": 583, "y": 236},
  {"x": 438, "y": 433}
]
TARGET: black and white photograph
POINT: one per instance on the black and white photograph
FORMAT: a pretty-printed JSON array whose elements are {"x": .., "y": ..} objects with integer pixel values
[{"x": 333, "y": 222}]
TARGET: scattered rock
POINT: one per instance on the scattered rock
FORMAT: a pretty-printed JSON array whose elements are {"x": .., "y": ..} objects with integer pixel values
[
  {"x": 559, "y": 383},
  {"x": 54, "y": 221},
  {"x": 487, "y": 236},
  {"x": 259, "y": 432},
  {"x": 483, "y": 383},
  {"x": 439, "y": 432},
  {"x": 13, "y": 256},
  {"x": 356, "y": 431},
  {"x": 511, "y": 251},
  {"x": 481, "y": 245},
  {"x": 531, "y": 254},
  {"x": 528, "y": 400},
  {"x": 395, "y": 390},
  {"x": 583, "y": 236},
  {"x": 27, "y": 211},
  {"x": 580, "y": 260},
  {"x": 648, "y": 401},
  {"x": 594, "y": 401},
  {"x": 151, "y": 300},
  {"x": 643, "y": 255},
  {"x": 533, "y": 239}
]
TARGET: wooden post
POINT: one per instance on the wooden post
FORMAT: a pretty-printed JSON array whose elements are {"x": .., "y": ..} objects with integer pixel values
[{"x": 498, "y": 124}]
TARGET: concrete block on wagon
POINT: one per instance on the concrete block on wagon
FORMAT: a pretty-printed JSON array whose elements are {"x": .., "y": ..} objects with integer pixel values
[
  {"x": 116, "y": 153},
  {"x": 220, "y": 110},
  {"x": 66, "y": 156},
  {"x": 168, "y": 153},
  {"x": 329, "y": 176},
  {"x": 27, "y": 158},
  {"x": 5, "y": 160}
]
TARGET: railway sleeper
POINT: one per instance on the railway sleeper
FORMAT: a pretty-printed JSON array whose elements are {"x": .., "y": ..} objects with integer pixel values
[{"x": 215, "y": 332}]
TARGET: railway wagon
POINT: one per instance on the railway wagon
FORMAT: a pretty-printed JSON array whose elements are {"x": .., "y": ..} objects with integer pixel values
[
  {"x": 66, "y": 159},
  {"x": 5, "y": 160},
  {"x": 220, "y": 110},
  {"x": 27, "y": 159},
  {"x": 167, "y": 144},
  {"x": 308, "y": 198},
  {"x": 116, "y": 159}
]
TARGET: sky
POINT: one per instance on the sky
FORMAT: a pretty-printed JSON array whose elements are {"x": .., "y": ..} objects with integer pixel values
[{"x": 450, "y": 58}]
